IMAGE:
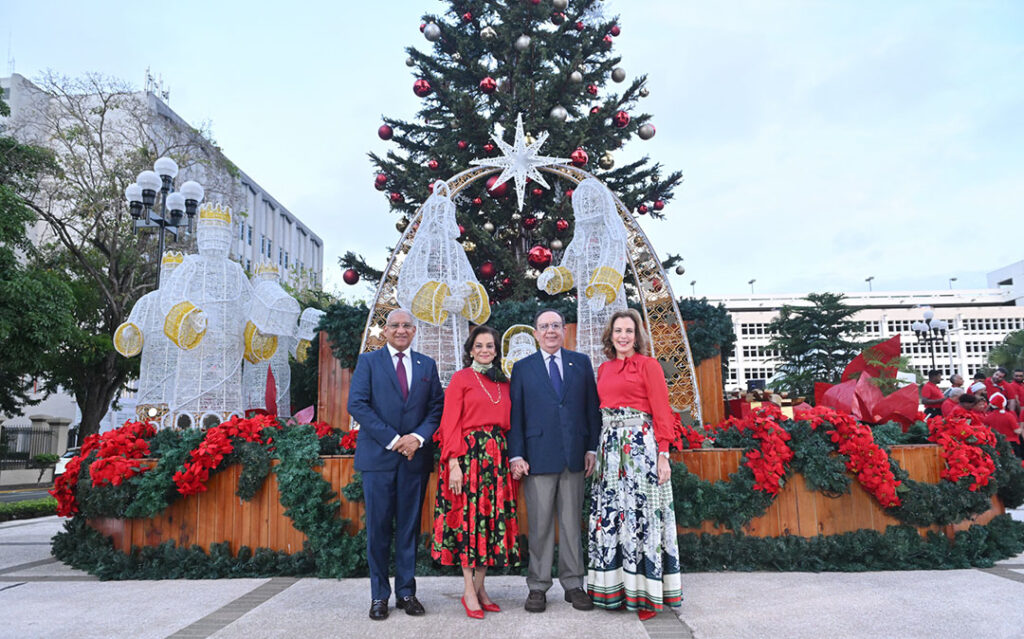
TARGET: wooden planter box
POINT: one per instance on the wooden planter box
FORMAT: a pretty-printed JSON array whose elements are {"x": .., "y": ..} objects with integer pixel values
[{"x": 217, "y": 515}]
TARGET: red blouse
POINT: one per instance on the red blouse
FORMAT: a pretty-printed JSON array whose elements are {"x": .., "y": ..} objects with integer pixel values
[
  {"x": 469, "y": 403},
  {"x": 638, "y": 382}
]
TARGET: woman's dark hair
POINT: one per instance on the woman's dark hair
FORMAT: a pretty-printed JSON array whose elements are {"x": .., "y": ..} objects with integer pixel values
[{"x": 495, "y": 373}]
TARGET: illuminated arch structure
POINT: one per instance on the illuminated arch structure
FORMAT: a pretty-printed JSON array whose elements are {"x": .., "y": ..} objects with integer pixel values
[{"x": 660, "y": 312}]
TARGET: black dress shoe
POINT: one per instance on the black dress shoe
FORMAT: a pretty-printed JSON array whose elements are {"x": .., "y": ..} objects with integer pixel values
[
  {"x": 579, "y": 599},
  {"x": 379, "y": 610},
  {"x": 536, "y": 601},
  {"x": 411, "y": 605}
]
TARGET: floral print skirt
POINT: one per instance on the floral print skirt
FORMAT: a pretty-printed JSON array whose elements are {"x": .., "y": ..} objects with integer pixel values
[
  {"x": 633, "y": 551},
  {"x": 478, "y": 526}
]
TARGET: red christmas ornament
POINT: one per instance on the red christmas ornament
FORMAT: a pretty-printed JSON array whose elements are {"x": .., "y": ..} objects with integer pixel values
[
  {"x": 558, "y": 17},
  {"x": 607, "y": 41},
  {"x": 488, "y": 85},
  {"x": 496, "y": 191},
  {"x": 592, "y": 89},
  {"x": 642, "y": 209},
  {"x": 488, "y": 148},
  {"x": 396, "y": 197},
  {"x": 478, "y": 201},
  {"x": 430, "y": 188},
  {"x": 380, "y": 181},
  {"x": 539, "y": 257},
  {"x": 621, "y": 119},
  {"x": 488, "y": 270},
  {"x": 350, "y": 276},
  {"x": 594, "y": 110},
  {"x": 462, "y": 230},
  {"x": 385, "y": 132},
  {"x": 562, "y": 225},
  {"x": 462, "y": 144},
  {"x": 423, "y": 25},
  {"x": 422, "y": 88},
  {"x": 659, "y": 204},
  {"x": 568, "y": 193},
  {"x": 579, "y": 157},
  {"x": 615, "y": 30},
  {"x": 530, "y": 222},
  {"x": 468, "y": 17},
  {"x": 506, "y": 282},
  {"x": 433, "y": 164},
  {"x": 535, "y": 2},
  {"x": 537, "y": 192},
  {"x": 580, "y": 26}
]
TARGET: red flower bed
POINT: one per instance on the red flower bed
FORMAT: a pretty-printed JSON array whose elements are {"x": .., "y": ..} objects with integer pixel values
[
  {"x": 217, "y": 444},
  {"x": 769, "y": 464},
  {"x": 961, "y": 442}
]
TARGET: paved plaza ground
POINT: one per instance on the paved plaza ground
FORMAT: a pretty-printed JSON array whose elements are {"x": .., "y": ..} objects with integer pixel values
[{"x": 42, "y": 598}]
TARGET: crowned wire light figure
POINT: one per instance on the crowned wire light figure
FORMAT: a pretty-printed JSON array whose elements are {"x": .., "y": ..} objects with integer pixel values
[
  {"x": 277, "y": 313},
  {"x": 206, "y": 307},
  {"x": 438, "y": 286},
  {"x": 143, "y": 332},
  {"x": 594, "y": 263}
]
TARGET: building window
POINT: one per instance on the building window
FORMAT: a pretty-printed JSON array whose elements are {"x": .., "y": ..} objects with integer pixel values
[{"x": 250, "y": 235}]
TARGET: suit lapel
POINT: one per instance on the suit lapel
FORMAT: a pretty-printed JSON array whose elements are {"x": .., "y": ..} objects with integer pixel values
[
  {"x": 568, "y": 371},
  {"x": 417, "y": 372},
  {"x": 389, "y": 368}
]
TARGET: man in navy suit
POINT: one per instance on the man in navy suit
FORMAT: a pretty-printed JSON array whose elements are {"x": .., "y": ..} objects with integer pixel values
[
  {"x": 552, "y": 444},
  {"x": 396, "y": 397}
]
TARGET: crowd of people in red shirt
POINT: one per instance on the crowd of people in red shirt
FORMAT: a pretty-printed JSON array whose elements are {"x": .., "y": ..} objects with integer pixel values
[{"x": 994, "y": 400}]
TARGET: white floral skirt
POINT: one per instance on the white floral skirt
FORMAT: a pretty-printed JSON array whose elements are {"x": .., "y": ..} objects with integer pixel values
[{"x": 633, "y": 550}]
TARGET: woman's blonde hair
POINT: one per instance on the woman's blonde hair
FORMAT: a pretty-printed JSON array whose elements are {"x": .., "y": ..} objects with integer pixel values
[{"x": 640, "y": 345}]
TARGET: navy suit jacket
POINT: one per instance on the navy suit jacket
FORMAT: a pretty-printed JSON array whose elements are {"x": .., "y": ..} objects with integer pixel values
[
  {"x": 375, "y": 401},
  {"x": 549, "y": 431}
]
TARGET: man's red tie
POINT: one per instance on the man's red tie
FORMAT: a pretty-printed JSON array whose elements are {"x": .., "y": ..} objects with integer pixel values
[{"x": 403, "y": 380}]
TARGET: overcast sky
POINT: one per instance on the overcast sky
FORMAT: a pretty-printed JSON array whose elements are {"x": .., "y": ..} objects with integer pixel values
[{"x": 821, "y": 142}]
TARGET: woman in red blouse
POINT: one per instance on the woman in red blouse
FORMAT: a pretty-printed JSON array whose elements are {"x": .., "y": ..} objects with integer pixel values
[
  {"x": 475, "y": 514},
  {"x": 633, "y": 550}
]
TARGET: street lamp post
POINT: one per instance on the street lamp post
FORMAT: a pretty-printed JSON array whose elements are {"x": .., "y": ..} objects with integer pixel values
[
  {"x": 869, "y": 279},
  {"x": 930, "y": 331},
  {"x": 693, "y": 287},
  {"x": 751, "y": 282},
  {"x": 951, "y": 280},
  {"x": 174, "y": 205}
]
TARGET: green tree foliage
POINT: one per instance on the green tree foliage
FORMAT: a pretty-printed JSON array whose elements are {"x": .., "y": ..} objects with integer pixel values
[
  {"x": 564, "y": 60},
  {"x": 1009, "y": 354},
  {"x": 814, "y": 342},
  {"x": 34, "y": 302},
  {"x": 709, "y": 329}
]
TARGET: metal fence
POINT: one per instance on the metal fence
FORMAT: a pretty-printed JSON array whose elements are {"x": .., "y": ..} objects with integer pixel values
[{"x": 19, "y": 444}]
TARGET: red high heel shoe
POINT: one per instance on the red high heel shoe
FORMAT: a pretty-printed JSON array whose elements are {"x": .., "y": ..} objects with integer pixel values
[
  {"x": 472, "y": 614},
  {"x": 646, "y": 614},
  {"x": 490, "y": 607}
]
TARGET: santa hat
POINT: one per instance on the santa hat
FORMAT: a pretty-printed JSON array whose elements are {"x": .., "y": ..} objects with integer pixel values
[
  {"x": 976, "y": 386},
  {"x": 997, "y": 400}
]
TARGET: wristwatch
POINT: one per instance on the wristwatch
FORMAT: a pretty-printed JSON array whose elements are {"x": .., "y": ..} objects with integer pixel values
[{"x": 664, "y": 454}]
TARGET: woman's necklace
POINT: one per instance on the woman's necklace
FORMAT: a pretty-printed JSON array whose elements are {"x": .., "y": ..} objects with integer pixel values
[{"x": 484, "y": 389}]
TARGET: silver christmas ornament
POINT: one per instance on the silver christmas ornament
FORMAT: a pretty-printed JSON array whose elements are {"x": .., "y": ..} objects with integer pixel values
[
  {"x": 523, "y": 43},
  {"x": 606, "y": 161},
  {"x": 487, "y": 33},
  {"x": 646, "y": 132},
  {"x": 576, "y": 77},
  {"x": 556, "y": 245},
  {"x": 560, "y": 5},
  {"x": 644, "y": 92},
  {"x": 457, "y": 57},
  {"x": 618, "y": 74},
  {"x": 680, "y": 270},
  {"x": 559, "y": 113},
  {"x": 488, "y": 227},
  {"x": 409, "y": 62},
  {"x": 432, "y": 32}
]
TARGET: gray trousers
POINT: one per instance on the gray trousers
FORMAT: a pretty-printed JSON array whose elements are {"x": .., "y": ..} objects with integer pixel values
[{"x": 548, "y": 495}]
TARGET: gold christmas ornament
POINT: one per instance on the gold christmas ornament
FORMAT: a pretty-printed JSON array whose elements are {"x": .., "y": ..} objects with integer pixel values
[
  {"x": 530, "y": 139},
  {"x": 402, "y": 224},
  {"x": 606, "y": 161},
  {"x": 468, "y": 246}
]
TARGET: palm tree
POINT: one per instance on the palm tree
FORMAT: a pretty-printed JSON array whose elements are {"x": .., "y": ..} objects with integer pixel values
[{"x": 1009, "y": 354}]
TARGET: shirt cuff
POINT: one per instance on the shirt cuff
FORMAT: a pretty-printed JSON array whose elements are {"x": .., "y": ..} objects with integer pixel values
[
  {"x": 515, "y": 459},
  {"x": 394, "y": 441},
  {"x": 591, "y": 452},
  {"x": 419, "y": 438}
]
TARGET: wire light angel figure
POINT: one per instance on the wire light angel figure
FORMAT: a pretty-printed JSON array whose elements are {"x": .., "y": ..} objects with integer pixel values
[
  {"x": 277, "y": 313},
  {"x": 594, "y": 262},
  {"x": 438, "y": 286}
]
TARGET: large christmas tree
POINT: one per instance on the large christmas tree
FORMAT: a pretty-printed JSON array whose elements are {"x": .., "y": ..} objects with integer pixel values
[{"x": 551, "y": 61}]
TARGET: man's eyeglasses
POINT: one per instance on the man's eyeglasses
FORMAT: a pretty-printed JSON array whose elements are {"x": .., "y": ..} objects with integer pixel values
[
  {"x": 554, "y": 326},
  {"x": 404, "y": 325}
]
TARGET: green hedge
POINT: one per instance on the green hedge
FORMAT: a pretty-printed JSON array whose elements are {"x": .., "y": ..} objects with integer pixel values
[{"x": 28, "y": 509}]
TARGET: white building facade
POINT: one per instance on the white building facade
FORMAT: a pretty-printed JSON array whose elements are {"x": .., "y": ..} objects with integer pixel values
[{"x": 978, "y": 319}]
